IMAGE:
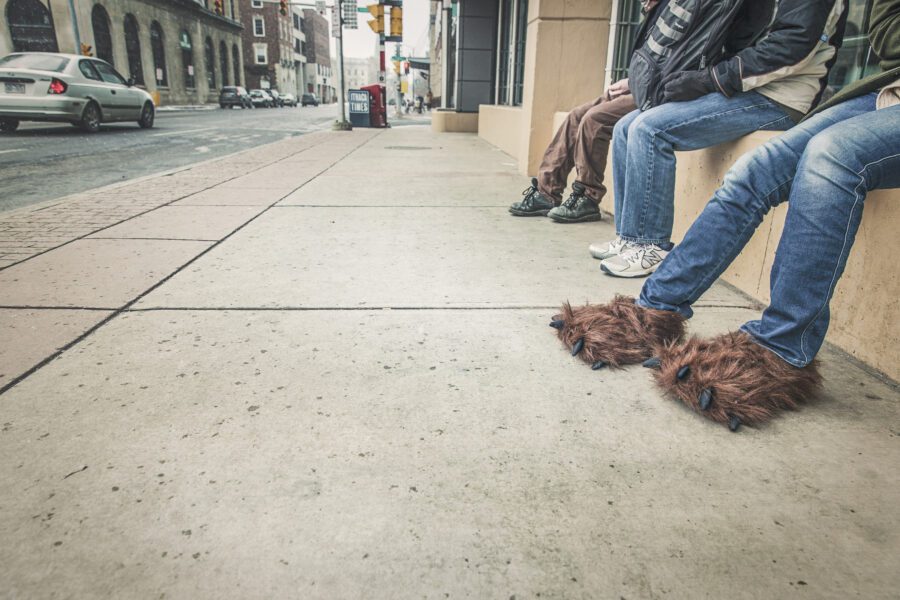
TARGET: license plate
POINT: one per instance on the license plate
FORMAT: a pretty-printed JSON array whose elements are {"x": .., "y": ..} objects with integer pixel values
[{"x": 15, "y": 88}]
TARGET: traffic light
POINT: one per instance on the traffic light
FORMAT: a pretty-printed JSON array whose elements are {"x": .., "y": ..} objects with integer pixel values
[
  {"x": 377, "y": 24},
  {"x": 396, "y": 66},
  {"x": 219, "y": 7},
  {"x": 283, "y": 7},
  {"x": 86, "y": 50},
  {"x": 396, "y": 22}
]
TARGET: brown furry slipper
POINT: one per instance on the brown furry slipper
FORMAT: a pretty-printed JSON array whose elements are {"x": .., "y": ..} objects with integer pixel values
[
  {"x": 616, "y": 334},
  {"x": 733, "y": 380}
]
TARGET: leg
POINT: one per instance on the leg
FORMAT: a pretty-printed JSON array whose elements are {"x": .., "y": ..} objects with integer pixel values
[
  {"x": 656, "y": 134},
  {"x": 592, "y": 143},
  {"x": 559, "y": 158},
  {"x": 620, "y": 164},
  {"x": 825, "y": 207},
  {"x": 758, "y": 181}
]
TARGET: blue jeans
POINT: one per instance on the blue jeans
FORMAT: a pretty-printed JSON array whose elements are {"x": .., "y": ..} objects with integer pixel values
[
  {"x": 644, "y": 145},
  {"x": 823, "y": 167}
]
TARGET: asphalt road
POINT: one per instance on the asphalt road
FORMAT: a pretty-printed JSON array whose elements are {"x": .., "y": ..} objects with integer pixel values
[{"x": 44, "y": 161}]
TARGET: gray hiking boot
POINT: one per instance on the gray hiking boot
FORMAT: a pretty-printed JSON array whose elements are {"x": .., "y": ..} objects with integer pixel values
[
  {"x": 534, "y": 204},
  {"x": 577, "y": 208}
]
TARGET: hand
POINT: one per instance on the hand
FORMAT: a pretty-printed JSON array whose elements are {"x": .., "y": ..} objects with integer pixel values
[
  {"x": 619, "y": 88},
  {"x": 687, "y": 85}
]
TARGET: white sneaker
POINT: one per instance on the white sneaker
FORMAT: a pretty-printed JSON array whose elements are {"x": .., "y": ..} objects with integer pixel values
[
  {"x": 607, "y": 249},
  {"x": 637, "y": 260}
]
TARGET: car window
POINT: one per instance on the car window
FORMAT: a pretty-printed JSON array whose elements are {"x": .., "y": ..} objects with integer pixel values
[
  {"x": 87, "y": 69},
  {"x": 108, "y": 74},
  {"x": 39, "y": 62}
]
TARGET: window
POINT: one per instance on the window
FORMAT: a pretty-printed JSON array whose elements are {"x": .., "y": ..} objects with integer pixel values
[
  {"x": 259, "y": 27},
  {"x": 108, "y": 74},
  {"x": 296, "y": 21},
  {"x": 256, "y": 4},
  {"x": 223, "y": 59},
  {"x": 513, "y": 23},
  {"x": 625, "y": 26},
  {"x": 102, "y": 36},
  {"x": 40, "y": 62},
  {"x": 855, "y": 59},
  {"x": 209, "y": 63},
  {"x": 236, "y": 64},
  {"x": 133, "y": 49},
  {"x": 261, "y": 54},
  {"x": 31, "y": 26},
  {"x": 187, "y": 59},
  {"x": 159, "y": 55},
  {"x": 87, "y": 69}
]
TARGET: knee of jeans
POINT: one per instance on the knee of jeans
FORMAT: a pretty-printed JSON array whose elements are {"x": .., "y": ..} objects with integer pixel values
[
  {"x": 827, "y": 150},
  {"x": 741, "y": 187}
]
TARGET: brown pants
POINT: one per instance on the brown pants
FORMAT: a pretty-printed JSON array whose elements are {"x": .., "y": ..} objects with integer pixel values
[{"x": 582, "y": 142}]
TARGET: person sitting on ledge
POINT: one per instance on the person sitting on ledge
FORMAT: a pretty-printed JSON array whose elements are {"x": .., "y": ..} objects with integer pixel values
[{"x": 823, "y": 168}]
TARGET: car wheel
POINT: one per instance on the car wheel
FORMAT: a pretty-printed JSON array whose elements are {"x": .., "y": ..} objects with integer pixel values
[
  {"x": 222, "y": 106},
  {"x": 90, "y": 118},
  {"x": 147, "y": 116},
  {"x": 8, "y": 125}
]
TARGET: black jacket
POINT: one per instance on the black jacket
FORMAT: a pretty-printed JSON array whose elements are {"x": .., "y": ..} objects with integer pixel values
[{"x": 745, "y": 45}]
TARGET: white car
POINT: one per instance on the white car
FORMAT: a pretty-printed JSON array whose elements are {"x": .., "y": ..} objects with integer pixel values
[{"x": 84, "y": 91}]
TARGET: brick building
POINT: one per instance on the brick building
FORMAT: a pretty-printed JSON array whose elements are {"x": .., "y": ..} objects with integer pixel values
[
  {"x": 179, "y": 49},
  {"x": 268, "y": 43},
  {"x": 320, "y": 79}
]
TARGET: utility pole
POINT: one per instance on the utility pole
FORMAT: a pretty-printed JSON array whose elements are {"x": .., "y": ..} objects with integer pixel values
[{"x": 343, "y": 124}]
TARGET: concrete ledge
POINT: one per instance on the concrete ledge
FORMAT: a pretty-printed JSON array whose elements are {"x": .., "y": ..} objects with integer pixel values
[
  {"x": 502, "y": 127},
  {"x": 447, "y": 121}
]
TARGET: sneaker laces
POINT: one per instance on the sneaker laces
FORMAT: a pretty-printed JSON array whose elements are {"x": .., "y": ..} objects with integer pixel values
[{"x": 637, "y": 253}]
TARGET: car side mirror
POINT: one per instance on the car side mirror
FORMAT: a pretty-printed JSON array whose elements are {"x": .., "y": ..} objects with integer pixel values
[{"x": 130, "y": 81}]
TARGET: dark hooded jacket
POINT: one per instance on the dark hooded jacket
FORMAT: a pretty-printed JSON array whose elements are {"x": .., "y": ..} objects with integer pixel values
[{"x": 782, "y": 49}]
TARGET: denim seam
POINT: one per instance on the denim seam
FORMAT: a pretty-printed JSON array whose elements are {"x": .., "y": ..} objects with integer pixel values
[
  {"x": 781, "y": 118},
  {"x": 844, "y": 250}
]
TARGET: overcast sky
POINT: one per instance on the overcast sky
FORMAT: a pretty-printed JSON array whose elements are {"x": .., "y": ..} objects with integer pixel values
[{"x": 361, "y": 42}]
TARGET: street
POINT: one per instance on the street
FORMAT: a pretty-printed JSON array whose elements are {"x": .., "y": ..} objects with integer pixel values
[{"x": 44, "y": 161}]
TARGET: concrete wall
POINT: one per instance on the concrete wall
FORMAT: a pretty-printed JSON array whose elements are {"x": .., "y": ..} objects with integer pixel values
[
  {"x": 866, "y": 303},
  {"x": 449, "y": 121},
  {"x": 565, "y": 58},
  {"x": 502, "y": 126}
]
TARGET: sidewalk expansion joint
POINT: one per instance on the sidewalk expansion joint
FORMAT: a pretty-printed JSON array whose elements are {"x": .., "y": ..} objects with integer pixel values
[
  {"x": 52, "y": 307},
  {"x": 156, "y": 239},
  {"x": 90, "y": 331},
  {"x": 328, "y": 308}
]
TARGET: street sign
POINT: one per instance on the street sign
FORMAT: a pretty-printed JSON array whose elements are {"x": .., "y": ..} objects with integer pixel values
[
  {"x": 350, "y": 12},
  {"x": 335, "y": 22}
]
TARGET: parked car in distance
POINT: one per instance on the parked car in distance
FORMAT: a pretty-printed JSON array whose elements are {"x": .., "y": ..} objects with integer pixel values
[
  {"x": 68, "y": 88},
  {"x": 308, "y": 99},
  {"x": 261, "y": 98},
  {"x": 232, "y": 95},
  {"x": 289, "y": 99},
  {"x": 279, "y": 99}
]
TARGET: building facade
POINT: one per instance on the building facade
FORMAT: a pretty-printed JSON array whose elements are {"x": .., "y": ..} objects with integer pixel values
[
  {"x": 511, "y": 69},
  {"x": 320, "y": 79},
  {"x": 268, "y": 43},
  {"x": 299, "y": 50},
  {"x": 358, "y": 72},
  {"x": 181, "y": 51}
]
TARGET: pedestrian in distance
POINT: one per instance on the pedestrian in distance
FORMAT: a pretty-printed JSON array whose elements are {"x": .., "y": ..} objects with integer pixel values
[
  {"x": 823, "y": 168},
  {"x": 769, "y": 83}
]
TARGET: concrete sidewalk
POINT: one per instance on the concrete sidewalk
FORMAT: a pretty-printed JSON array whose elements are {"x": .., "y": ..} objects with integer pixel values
[{"x": 324, "y": 371}]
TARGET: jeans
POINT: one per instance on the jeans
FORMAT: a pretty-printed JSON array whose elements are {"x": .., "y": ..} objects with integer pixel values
[
  {"x": 823, "y": 167},
  {"x": 644, "y": 145}
]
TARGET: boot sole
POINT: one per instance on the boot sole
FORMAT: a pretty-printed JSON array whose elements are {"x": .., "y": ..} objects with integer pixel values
[
  {"x": 584, "y": 219},
  {"x": 625, "y": 275},
  {"x": 538, "y": 213}
]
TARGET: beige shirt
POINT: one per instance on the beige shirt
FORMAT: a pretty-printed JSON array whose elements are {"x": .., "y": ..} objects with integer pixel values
[{"x": 888, "y": 96}]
